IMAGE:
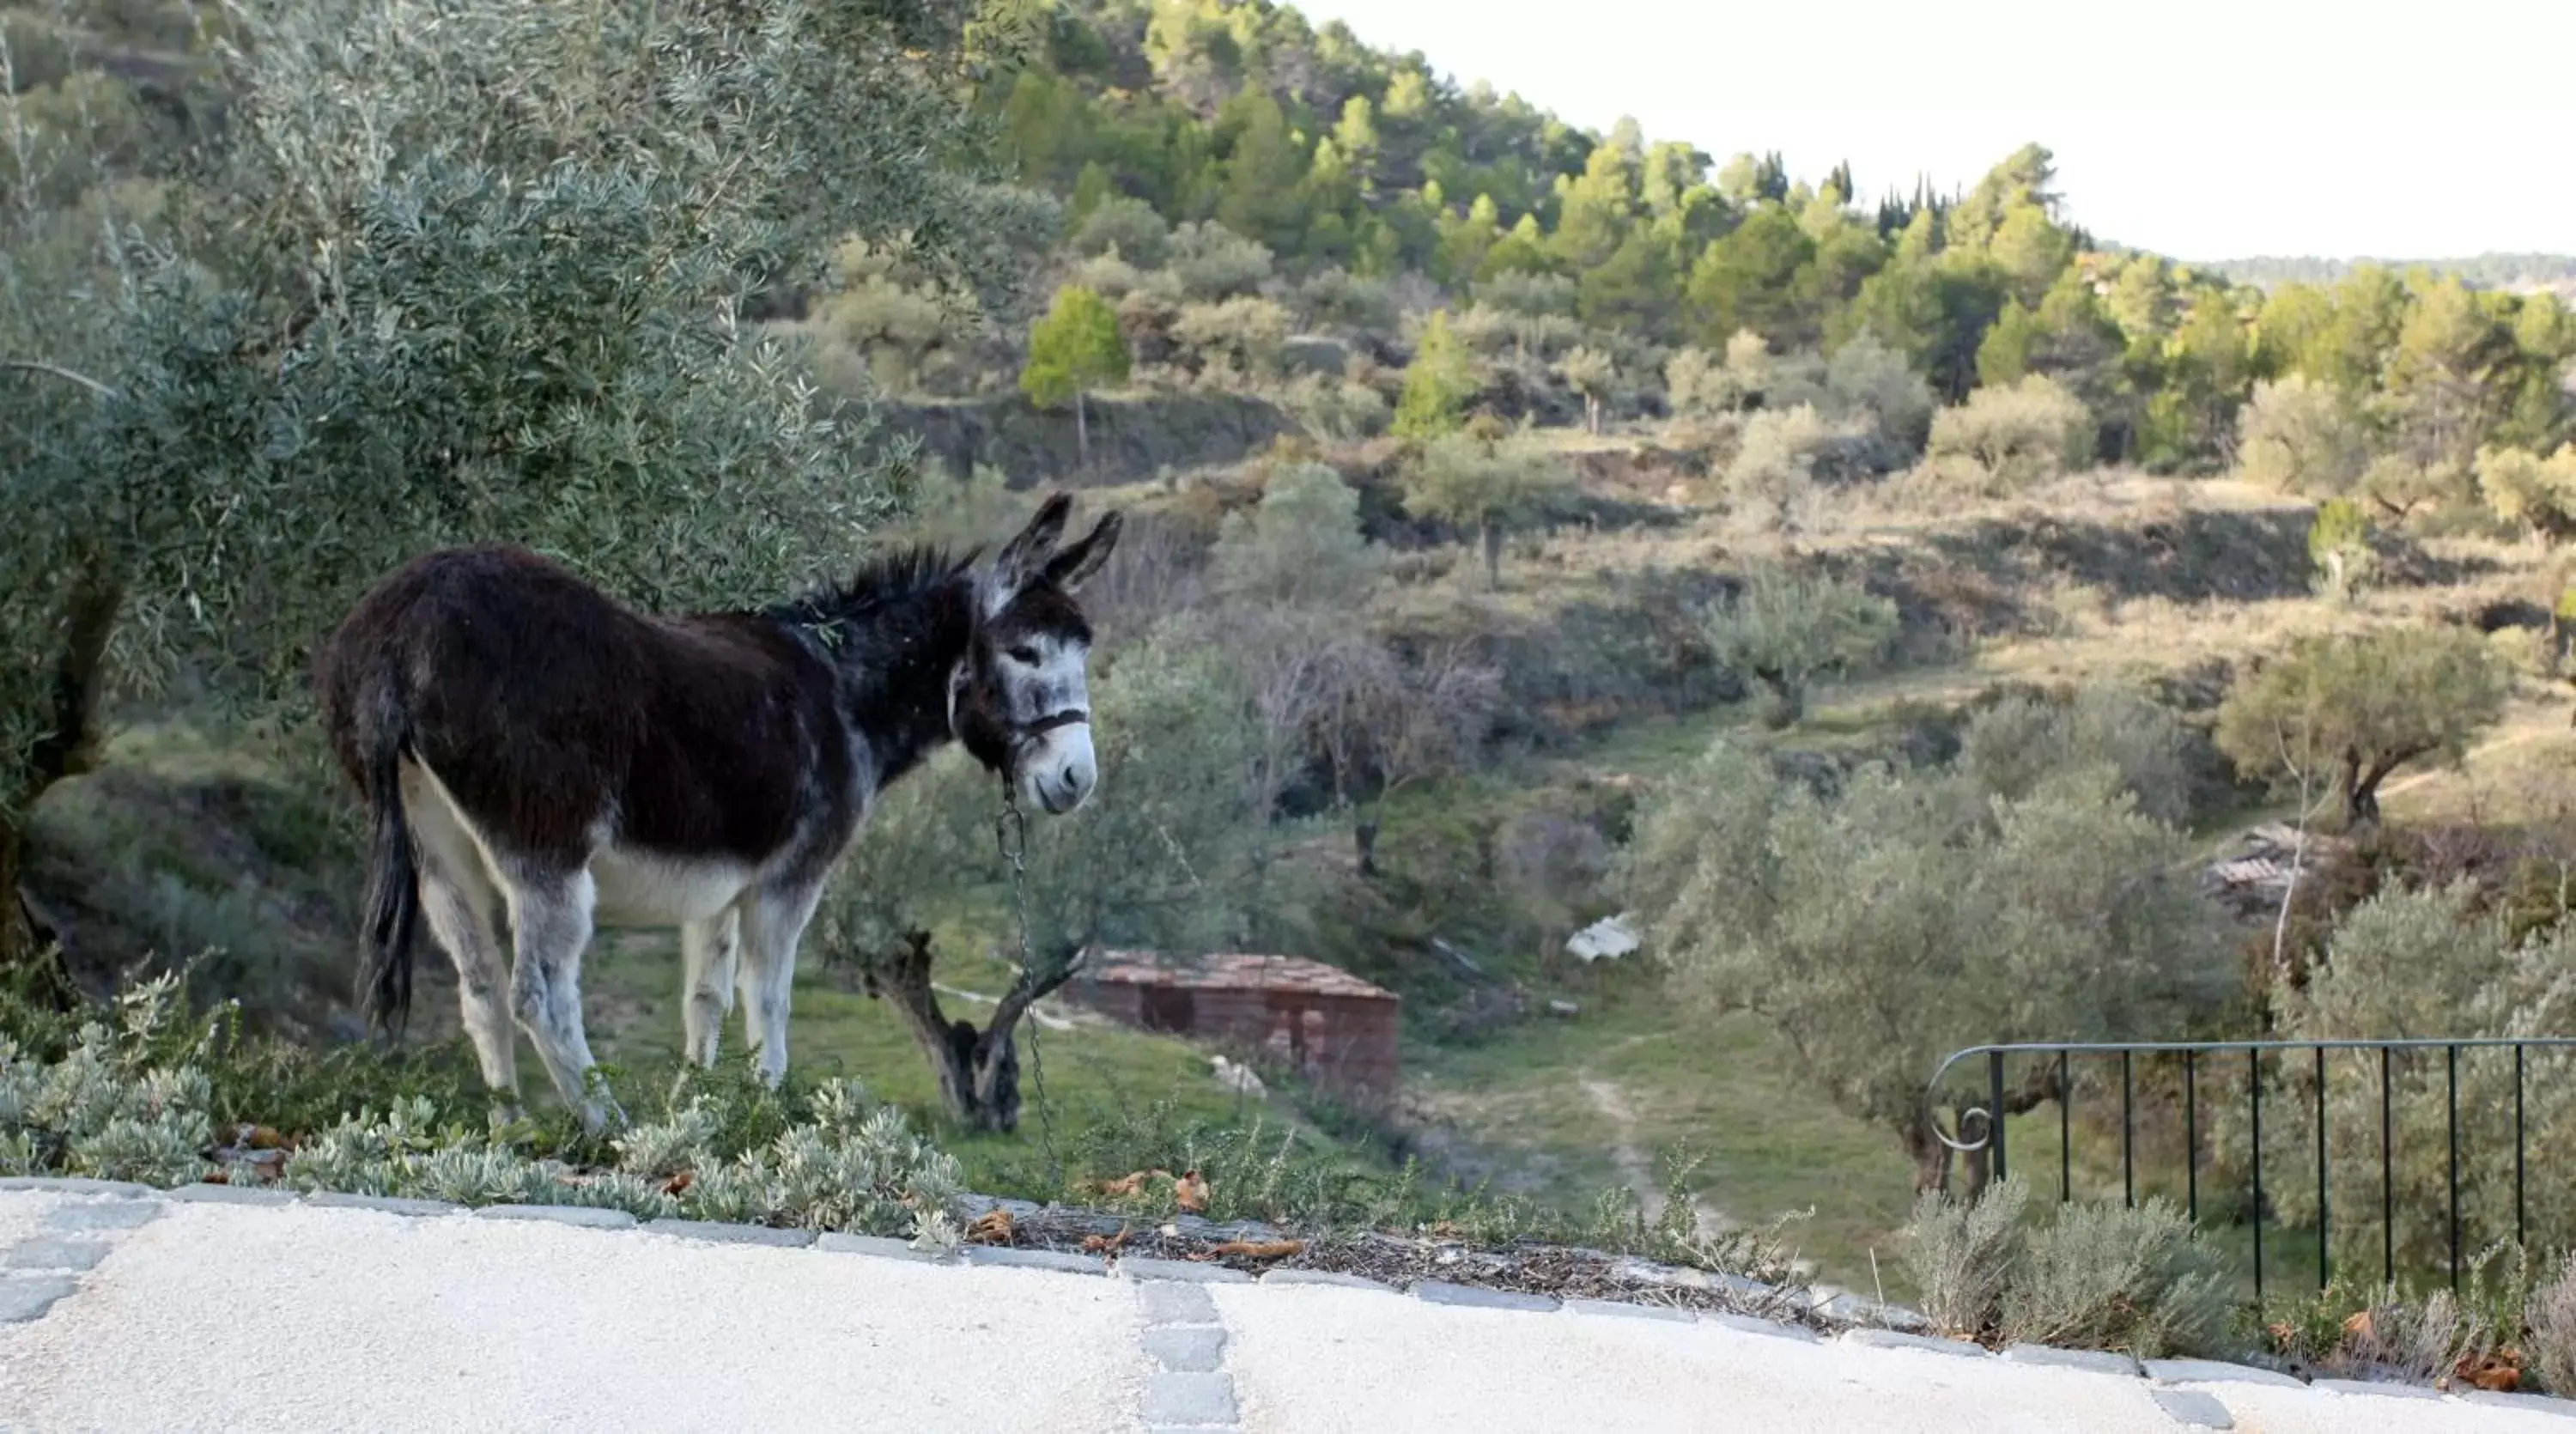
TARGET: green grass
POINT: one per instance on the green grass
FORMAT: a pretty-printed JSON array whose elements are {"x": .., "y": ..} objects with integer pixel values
[
  {"x": 1098, "y": 1076},
  {"x": 1721, "y": 1090}
]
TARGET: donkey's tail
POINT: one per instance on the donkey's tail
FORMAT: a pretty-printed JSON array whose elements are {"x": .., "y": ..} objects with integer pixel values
[{"x": 393, "y": 871}]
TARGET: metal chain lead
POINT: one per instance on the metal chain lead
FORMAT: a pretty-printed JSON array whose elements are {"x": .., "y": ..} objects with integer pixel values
[{"x": 1011, "y": 834}]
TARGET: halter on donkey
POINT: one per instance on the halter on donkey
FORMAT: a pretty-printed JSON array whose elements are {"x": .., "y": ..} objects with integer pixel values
[{"x": 520, "y": 736}]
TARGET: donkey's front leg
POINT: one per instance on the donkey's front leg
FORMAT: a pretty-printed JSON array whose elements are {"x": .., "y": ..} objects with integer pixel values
[{"x": 773, "y": 921}]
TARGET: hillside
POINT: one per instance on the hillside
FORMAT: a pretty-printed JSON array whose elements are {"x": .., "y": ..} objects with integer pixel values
[{"x": 1890, "y": 603}]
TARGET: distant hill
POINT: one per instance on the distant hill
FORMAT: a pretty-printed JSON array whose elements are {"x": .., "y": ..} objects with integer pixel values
[{"x": 2520, "y": 273}]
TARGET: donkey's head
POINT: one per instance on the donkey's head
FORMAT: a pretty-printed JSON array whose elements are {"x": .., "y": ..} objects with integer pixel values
[{"x": 1022, "y": 701}]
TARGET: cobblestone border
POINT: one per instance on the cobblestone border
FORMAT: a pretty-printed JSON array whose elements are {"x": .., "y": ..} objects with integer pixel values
[{"x": 1184, "y": 1339}]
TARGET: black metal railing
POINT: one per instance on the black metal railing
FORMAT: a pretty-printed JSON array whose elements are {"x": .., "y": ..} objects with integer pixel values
[{"x": 1993, "y": 1131}]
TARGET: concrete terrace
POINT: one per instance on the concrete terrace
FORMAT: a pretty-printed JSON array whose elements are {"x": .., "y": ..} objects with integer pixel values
[{"x": 144, "y": 1312}]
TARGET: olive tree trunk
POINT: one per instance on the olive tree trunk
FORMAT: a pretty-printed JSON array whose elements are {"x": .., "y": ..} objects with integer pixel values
[
  {"x": 68, "y": 749},
  {"x": 978, "y": 1070}
]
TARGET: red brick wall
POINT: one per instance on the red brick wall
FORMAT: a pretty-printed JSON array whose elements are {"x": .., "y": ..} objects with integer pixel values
[{"x": 1346, "y": 1043}]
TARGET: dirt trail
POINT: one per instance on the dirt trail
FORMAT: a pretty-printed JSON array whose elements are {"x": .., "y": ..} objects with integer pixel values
[{"x": 1639, "y": 1171}]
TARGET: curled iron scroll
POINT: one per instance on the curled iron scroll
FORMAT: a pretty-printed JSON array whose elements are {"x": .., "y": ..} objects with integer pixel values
[{"x": 1966, "y": 1113}]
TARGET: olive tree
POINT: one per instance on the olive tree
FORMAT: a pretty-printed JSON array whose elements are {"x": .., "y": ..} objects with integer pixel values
[
  {"x": 1167, "y": 859},
  {"x": 1301, "y": 546},
  {"x": 1786, "y": 629},
  {"x": 468, "y": 270},
  {"x": 2428, "y": 963},
  {"x": 1486, "y": 486},
  {"x": 1879, "y": 928},
  {"x": 2007, "y": 440},
  {"x": 2361, "y": 705},
  {"x": 2302, "y": 436}
]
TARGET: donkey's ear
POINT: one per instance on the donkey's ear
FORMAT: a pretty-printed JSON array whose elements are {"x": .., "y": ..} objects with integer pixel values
[
  {"x": 1073, "y": 567},
  {"x": 1024, "y": 558}
]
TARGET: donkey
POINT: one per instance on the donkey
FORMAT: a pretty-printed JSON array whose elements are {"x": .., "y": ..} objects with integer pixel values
[{"x": 518, "y": 735}]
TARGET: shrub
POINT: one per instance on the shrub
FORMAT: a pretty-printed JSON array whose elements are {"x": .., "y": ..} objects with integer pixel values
[
  {"x": 1336, "y": 298},
  {"x": 1129, "y": 227},
  {"x": 1698, "y": 385},
  {"x": 1787, "y": 629},
  {"x": 2009, "y": 749},
  {"x": 140, "y": 1096},
  {"x": 1866, "y": 380},
  {"x": 2551, "y": 1318},
  {"x": 2094, "y": 1277},
  {"x": 1521, "y": 292},
  {"x": 1213, "y": 262},
  {"x": 2301, "y": 436},
  {"x": 1772, "y": 480},
  {"x": 1239, "y": 337},
  {"x": 2339, "y": 548},
  {"x": 1336, "y": 408},
  {"x": 2109, "y": 1277},
  {"x": 2523, "y": 487},
  {"x": 1964, "y": 1257},
  {"x": 2007, "y": 440}
]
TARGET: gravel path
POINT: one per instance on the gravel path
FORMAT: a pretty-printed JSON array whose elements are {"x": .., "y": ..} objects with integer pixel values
[{"x": 133, "y": 1311}]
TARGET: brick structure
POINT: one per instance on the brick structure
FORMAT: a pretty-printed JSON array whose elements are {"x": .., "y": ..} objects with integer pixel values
[{"x": 1320, "y": 1020}]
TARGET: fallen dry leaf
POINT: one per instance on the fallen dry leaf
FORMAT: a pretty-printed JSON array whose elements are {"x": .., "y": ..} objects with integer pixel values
[
  {"x": 2488, "y": 1372},
  {"x": 1133, "y": 1184},
  {"x": 261, "y": 1137},
  {"x": 1103, "y": 1244},
  {"x": 1190, "y": 1193},
  {"x": 217, "y": 1177},
  {"x": 992, "y": 1228},
  {"x": 1260, "y": 1249},
  {"x": 679, "y": 1183},
  {"x": 2358, "y": 1326}
]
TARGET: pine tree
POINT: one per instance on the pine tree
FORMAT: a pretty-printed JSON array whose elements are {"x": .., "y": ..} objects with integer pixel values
[
  {"x": 1073, "y": 351},
  {"x": 1437, "y": 384}
]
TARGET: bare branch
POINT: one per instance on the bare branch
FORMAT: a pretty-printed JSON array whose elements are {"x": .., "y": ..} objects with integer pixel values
[{"x": 58, "y": 371}]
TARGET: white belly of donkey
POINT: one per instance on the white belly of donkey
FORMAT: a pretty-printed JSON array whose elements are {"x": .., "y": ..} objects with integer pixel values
[{"x": 638, "y": 888}]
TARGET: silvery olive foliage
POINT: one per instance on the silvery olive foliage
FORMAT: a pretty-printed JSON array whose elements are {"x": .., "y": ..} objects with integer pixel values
[{"x": 466, "y": 270}]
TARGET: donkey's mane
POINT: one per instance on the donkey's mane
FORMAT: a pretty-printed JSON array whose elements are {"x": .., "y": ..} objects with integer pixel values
[{"x": 886, "y": 577}]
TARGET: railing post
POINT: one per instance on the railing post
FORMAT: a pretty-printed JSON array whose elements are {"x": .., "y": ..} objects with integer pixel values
[
  {"x": 2254, "y": 1091},
  {"x": 2324, "y": 1230},
  {"x": 2128, "y": 1140},
  {"x": 2065, "y": 1132},
  {"x": 1995, "y": 1113},
  {"x": 2190, "y": 1138},
  {"x": 2387, "y": 1180},
  {"x": 2452, "y": 1088}
]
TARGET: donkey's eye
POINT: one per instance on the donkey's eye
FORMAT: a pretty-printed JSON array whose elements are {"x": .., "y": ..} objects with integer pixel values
[{"x": 1025, "y": 656}]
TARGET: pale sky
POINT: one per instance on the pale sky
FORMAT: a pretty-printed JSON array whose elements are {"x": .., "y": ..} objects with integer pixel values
[{"x": 2201, "y": 129}]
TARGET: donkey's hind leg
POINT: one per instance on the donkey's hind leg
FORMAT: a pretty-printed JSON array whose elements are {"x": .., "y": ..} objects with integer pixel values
[
  {"x": 708, "y": 952},
  {"x": 773, "y": 921},
  {"x": 550, "y": 919},
  {"x": 457, "y": 897}
]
